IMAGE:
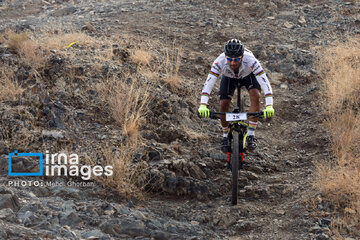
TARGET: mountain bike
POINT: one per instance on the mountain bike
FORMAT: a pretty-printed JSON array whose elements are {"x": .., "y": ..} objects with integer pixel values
[{"x": 237, "y": 139}]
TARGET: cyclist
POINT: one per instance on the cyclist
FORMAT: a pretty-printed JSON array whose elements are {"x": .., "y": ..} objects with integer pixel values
[{"x": 237, "y": 65}]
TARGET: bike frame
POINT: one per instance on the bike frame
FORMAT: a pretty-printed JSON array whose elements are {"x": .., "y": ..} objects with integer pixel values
[
  {"x": 237, "y": 138},
  {"x": 239, "y": 126}
]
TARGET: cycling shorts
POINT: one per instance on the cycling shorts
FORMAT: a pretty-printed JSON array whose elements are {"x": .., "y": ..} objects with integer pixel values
[{"x": 228, "y": 85}]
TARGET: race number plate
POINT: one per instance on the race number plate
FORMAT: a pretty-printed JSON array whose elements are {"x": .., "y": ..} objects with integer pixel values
[{"x": 236, "y": 117}]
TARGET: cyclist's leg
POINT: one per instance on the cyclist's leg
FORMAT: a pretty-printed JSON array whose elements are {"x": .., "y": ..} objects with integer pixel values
[
  {"x": 254, "y": 89},
  {"x": 227, "y": 88},
  {"x": 226, "y": 91},
  {"x": 224, "y": 107},
  {"x": 254, "y": 102}
]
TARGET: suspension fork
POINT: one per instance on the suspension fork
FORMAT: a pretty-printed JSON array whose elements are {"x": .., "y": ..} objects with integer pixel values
[
  {"x": 241, "y": 153},
  {"x": 241, "y": 158},
  {"x": 243, "y": 136}
]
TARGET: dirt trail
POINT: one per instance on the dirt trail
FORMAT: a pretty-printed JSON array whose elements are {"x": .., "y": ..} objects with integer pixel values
[
  {"x": 278, "y": 176},
  {"x": 272, "y": 202}
]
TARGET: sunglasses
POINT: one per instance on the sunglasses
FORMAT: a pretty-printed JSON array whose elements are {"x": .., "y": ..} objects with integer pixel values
[{"x": 233, "y": 59}]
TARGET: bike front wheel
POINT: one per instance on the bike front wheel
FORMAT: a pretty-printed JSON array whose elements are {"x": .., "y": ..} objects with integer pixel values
[{"x": 235, "y": 167}]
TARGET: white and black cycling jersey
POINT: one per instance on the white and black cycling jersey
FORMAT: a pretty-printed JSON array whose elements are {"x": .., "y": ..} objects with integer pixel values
[{"x": 249, "y": 65}]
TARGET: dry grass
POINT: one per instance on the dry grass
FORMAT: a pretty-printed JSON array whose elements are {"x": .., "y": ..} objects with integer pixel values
[
  {"x": 340, "y": 65},
  {"x": 32, "y": 54},
  {"x": 9, "y": 88},
  {"x": 149, "y": 74},
  {"x": 163, "y": 64},
  {"x": 127, "y": 102},
  {"x": 34, "y": 50},
  {"x": 339, "y": 180},
  {"x": 172, "y": 65},
  {"x": 194, "y": 135},
  {"x": 173, "y": 80},
  {"x": 345, "y": 135},
  {"x": 127, "y": 178},
  {"x": 61, "y": 41},
  {"x": 27, "y": 49},
  {"x": 127, "y": 105},
  {"x": 141, "y": 57},
  {"x": 15, "y": 40}
]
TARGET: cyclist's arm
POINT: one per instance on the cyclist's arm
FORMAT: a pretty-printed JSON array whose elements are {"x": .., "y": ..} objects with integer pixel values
[
  {"x": 263, "y": 81},
  {"x": 210, "y": 82}
]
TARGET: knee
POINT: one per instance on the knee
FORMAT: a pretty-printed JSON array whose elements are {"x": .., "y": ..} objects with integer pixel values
[
  {"x": 224, "y": 104},
  {"x": 254, "y": 94}
]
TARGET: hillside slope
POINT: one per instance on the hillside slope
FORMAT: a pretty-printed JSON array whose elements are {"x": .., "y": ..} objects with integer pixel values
[{"x": 64, "y": 106}]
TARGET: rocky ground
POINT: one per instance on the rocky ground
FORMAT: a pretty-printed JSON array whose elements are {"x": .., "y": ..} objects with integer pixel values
[{"x": 188, "y": 193}]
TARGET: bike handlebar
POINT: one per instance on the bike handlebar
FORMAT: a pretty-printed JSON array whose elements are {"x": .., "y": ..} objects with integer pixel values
[{"x": 214, "y": 115}]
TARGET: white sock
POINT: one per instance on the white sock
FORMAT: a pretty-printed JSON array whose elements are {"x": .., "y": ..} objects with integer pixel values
[
  {"x": 252, "y": 128},
  {"x": 226, "y": 131}
]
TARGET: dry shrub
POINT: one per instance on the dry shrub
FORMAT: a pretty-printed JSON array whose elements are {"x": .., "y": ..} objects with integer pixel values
[
  {"x": 127, "y": 105},
  {"x": 32, "y": 54},
  {"x": 339, "y": 179},
  {"x": 345, "y": 132},
  {"x": 141, "y": 57},
  {"x": 339, "y": 65},
  {"x": 149, "y": 74},
  {"x": 106, "y": 55},
  {"x": 27, "y": 49},
  {"x": 172, "y": 65},
  {"x": 9, "y": 88},
  {"x": 128, "y": 179},
  {"x": 194, "y": 135},
  {"x": 164, "y": 65},
  {"x": 15, "y": 40},
  {"x": 60, "y": 40},
  {"x": 173, "y": 80},
  {"x": 127, "y": 102}
]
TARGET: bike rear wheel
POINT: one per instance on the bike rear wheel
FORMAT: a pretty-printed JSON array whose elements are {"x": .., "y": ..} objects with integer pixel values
[{"x": 235, "y": 167}]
